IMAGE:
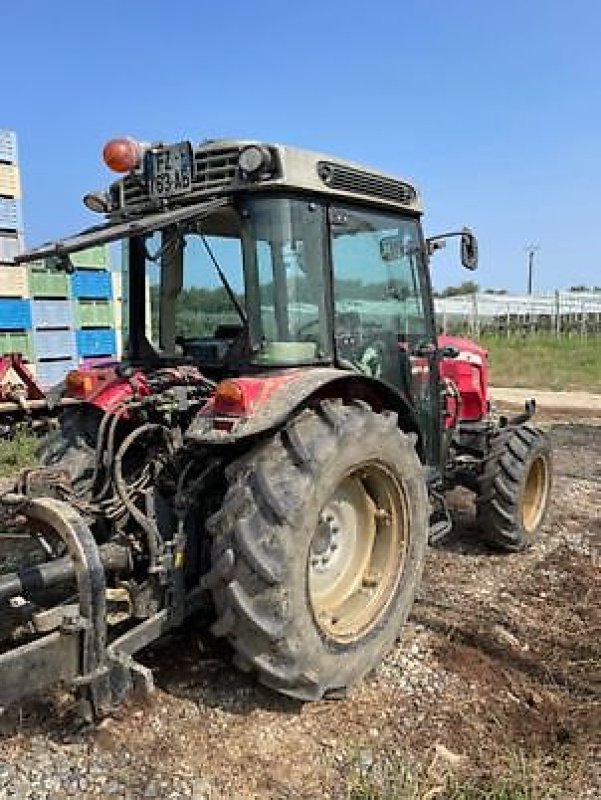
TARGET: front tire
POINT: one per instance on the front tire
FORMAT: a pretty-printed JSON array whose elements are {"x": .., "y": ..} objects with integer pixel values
[
  {"x": 319, "y": 548},
  {"x": 515, "y": 488}
]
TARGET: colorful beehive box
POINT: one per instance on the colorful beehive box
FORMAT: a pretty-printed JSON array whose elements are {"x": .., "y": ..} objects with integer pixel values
[
  {"x": 52, "y": 313},
  {"x": 94, "y": 314},
  {"x": 15, "y": 314},
  {"x": 10, "y": 181},
  {"x": 54, "y": 344},
  {"x": 11, "y": 217},
  {"x": 49, "y": 373},
  {"x": 96, "y": 342},
  {"x": 11, "y": 245},
  {"x": 17, "y": 342},
  {"x": 8, "y": 146},
  {"x": 92, "y": 258},
  {"x": 46, "y": 283},
  {"x": 92, "y": 285},
  {"x": 13, "y": 282}
]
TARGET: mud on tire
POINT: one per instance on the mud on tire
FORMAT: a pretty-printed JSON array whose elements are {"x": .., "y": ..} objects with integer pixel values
[
  {"x": 264, "y": 540},
  {"x": 515, "y": 488}
]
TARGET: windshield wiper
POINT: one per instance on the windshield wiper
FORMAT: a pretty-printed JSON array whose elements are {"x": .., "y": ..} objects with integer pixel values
[{"x": 226, "y": 284}]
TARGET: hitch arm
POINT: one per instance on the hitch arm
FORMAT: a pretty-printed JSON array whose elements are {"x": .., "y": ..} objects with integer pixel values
[{"x": 77, "y": 653}]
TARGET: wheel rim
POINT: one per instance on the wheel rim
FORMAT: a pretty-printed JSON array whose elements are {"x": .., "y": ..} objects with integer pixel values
[
  {"x": 534, "y": 497},
  {"x": 358, "y": 552}
]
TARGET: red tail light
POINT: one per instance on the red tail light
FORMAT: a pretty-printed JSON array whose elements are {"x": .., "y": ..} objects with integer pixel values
[
  {"x": 229, "y": 398},
  {"x": 81, "y": 383}
]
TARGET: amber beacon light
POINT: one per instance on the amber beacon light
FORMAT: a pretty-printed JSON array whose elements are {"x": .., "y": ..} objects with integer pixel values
[{"x": 122, "y": 155}]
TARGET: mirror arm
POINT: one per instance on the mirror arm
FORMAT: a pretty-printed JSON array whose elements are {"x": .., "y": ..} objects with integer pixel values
[
  {"x": 434, "y": 243},
  {"x": 469, "y": 246}
]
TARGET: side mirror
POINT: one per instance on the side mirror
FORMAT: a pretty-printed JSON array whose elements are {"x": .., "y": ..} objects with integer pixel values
[
  {"x": 448, "y": 351},
  {"x": 469, "y": 246},
  {"x": 469, "y": 249}
]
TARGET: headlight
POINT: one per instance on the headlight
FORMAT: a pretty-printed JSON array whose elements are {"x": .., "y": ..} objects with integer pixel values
[
  {"x": 254, "y": 159},
  {"x": 96, "y": 201}
]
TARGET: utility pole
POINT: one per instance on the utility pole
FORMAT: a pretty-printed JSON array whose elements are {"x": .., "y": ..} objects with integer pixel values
[{"x": 531, "y": 249}]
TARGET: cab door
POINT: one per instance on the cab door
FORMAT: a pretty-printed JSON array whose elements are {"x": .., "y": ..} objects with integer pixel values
[{"x": 383, "y": 321}]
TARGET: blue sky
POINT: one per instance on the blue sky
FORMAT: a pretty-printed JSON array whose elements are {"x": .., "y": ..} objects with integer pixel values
[{"x": 493, "y": 108}]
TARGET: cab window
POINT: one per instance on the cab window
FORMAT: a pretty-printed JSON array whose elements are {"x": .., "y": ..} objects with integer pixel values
[{"x": 378, "y": 289}]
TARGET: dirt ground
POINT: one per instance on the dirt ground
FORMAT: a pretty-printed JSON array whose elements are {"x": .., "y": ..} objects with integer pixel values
[{"x": 496, "y": 680}]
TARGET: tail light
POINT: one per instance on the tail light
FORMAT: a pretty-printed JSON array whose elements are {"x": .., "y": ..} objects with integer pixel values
[
  {"x": 81, "y": 383},
  {"x": 229, "y": 398}
]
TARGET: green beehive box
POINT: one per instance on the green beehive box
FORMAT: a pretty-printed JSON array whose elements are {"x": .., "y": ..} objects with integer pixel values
[
  {"x": 43, "y": 283},
  {"x": 17, "y": 343},
  {"x": 92, "y": 258},
  {"x": 94, "y": 314}
]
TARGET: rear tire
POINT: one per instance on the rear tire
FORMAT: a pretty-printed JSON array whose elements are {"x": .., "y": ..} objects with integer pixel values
[
  {"x": 318, "y": 549},
  {"x": 72, "y": 446},
  {"x": 515, "y": 488}
]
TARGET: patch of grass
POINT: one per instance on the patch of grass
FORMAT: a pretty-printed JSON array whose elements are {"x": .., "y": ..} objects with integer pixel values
[
  {"x": 17, "y": 453},
  {"x": 545, "y": 362},
  {"x": 517, "y": 778},
  {"x": 408, "y": 786}
]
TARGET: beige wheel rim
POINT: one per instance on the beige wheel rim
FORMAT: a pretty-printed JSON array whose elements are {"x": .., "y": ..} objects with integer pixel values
[
  {"x": 534, "y": 496},
  {"x": 357, "y": 552}
]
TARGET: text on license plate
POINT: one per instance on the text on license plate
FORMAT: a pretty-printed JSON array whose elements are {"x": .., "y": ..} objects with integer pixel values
[{"x": 169, "y": 170}]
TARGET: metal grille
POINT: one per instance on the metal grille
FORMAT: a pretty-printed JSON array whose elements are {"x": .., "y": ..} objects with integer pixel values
[
  {"x": 347, "y": 179},
  {"x": 213, "y": 169}
]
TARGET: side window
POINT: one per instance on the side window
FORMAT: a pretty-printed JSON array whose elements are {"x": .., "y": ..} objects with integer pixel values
[
  {"x": 378, "y": 297},
  {"x": 187, "y": 300}
]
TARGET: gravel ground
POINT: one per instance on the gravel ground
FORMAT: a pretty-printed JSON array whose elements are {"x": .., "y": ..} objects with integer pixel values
[{"x": 498, "y": 667}]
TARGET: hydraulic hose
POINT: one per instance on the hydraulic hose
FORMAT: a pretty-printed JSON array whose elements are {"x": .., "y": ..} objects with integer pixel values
[
  {"x": 111, "y": 418},
  {"x": 153, "y": 536}
]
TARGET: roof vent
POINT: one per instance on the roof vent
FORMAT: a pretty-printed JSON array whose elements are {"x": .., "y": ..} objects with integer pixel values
[{"x": 357, "y": 181}]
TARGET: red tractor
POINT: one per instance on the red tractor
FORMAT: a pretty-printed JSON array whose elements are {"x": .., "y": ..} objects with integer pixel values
[{"x": 279, "y": 440}]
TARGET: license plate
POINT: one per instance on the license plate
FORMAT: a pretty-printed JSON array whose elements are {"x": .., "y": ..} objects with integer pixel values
[{"x": 169, "y": 170}]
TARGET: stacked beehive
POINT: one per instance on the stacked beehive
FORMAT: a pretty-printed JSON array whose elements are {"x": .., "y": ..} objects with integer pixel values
[
  {"x": 94, "y": 309},
  {"x": 15, "y": 307},
  {"x": 11, "y": 216},
  {"x": 54, "y": 320},
  {"x": 74, "y": 317}
]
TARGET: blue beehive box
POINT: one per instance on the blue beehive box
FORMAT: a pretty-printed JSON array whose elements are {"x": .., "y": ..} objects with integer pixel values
[
  {"x": 96, "y": 342},
  {"x": 54, "y": 344},
  {"x": 92, "y": 284},
  {"x": 52, "y": 314},
  {"x": 8, "y": 146},
  {"x": 15, "y": 314},
  {"x": 10, "y": 214},
  {"x": 49, "y": 373}
]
